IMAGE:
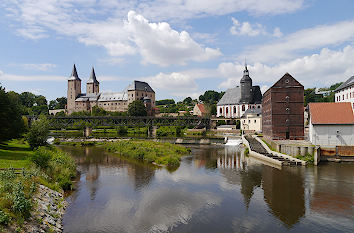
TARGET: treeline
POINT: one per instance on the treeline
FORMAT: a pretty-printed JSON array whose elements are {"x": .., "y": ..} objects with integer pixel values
[{"x": 311, "y": 96}]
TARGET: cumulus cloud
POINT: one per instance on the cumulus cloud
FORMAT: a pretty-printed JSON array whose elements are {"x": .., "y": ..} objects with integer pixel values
[
  {"x": 104, "y": 24},
  {"x": 159, "y": 44},
  {"x": 247, "y": 29},
  {"x": 324, "y": 68},
  {"x": 40, "y": 78},
  {"x": 175, "y": 83},
  {"x": 291, "y": 45}
]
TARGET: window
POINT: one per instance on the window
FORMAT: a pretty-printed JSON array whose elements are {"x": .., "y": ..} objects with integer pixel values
[
  {"x": 255, "y": 121},
  {"x": 220, "y": 110},
  {"x": 235, "y": 109},
  {"x": 243, "y": 107},
  {"x": 259, "y": 106},
  {"x": 286, "y": 81},
  {"x": 227, "y": 110},
  {"x": 249, "y": 121}
]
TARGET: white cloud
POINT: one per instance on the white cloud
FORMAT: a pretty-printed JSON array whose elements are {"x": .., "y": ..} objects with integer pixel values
[
  {"x": 171, "y": 9},
  {"x": 39, "y": 67},
  {"x": 101, "y": 23},
  {"x": 308, "y": 39},
  {"x": 324, "y": 68},
  {"x": 159, "y": 44},
  {"x": 177, "y": 84},
  {"x": 247, "y": 29},
  {"x": 24, "y": 78}
]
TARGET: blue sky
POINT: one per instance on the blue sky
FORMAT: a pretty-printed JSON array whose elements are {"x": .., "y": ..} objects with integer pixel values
[{"x": 181, "y": 47}]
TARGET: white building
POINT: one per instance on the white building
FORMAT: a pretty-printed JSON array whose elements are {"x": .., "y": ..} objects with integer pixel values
[
  {"x": 252, "y": 120},
  {"x": 331, "y": 124},
  {"x": 237, "y": 100},
  {"x": 345, "y": 92}
]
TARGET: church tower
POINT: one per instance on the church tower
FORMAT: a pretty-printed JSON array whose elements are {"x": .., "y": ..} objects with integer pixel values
[
  {"x": 74, "y": 89},
  {"x": 246, "y": 87},
  {"x": 92, "y": 85}
]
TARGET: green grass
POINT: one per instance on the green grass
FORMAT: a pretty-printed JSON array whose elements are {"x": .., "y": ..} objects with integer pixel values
[
  {"x": 149, "y": 151},
  {"x": 307, "y": 157},
  {"x": 270, "y": 147},
  {"x": 15, "y": 154}
]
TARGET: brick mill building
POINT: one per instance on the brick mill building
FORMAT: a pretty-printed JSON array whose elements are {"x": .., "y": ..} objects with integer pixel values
[
  {"x": 116, "y": 101},
  {"x": 237, "y": 100},
  {"x": 283, "y": 110}
]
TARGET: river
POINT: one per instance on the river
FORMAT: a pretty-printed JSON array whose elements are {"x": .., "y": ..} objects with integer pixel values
[{"x": 216, "y": 189}]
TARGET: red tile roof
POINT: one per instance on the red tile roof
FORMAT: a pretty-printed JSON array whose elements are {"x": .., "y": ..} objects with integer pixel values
[
  {"x": 331, "y": 113},
  {"x": 202, "y": 108}
]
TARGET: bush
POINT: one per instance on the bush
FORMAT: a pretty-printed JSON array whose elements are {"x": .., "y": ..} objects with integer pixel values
[
  {"x": 122, "y": 130},
  {"x": 4, "y": 218},
  {"x": 38, "y": 133},
  {"x": 21, "y": 204},
  {"x": 41, "y": 158}
]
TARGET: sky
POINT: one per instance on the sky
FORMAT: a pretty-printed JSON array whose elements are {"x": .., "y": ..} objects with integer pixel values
[{"x": 180, "y": 47}]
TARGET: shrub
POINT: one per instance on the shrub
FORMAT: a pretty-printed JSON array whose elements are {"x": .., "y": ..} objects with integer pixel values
[
  {"x": 38, "y": 133},
  {"x": 121, "y": 130},
  {"x": 21, "y": 204},
  {"x": 41, "y": 158},
  {"x": 4, "y": 218}
]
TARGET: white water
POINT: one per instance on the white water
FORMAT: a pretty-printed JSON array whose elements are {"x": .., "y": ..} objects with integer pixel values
[
  {"x": 50, "y": 140},
  {"x": 233, "y": 142}
]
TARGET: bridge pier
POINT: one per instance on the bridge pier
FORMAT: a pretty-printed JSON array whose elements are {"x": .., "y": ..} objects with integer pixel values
[
  {"x": 87, "y": 131},
  {"x": 152, "y": 131}
]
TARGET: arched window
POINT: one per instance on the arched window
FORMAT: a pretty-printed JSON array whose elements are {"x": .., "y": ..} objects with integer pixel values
[
  {"x": 243, "y": 107},
  {"x": 220, "y": 110},
  {"x": 227, "y": 110},
  {"x": 235, "y": 109}
]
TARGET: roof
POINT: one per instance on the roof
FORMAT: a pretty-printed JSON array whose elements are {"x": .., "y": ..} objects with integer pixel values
[
  {"x": 284, "y": 82},
  {"x": 257, "y": 95},
  {"x": 202, "y": 108},
  {"x": 116, "y": 96},
  {"x": 331, "y": 113},
  {"x": 231, "y": 96},
  {"x": 348, "y": 83},
  {"x": 246, "y": 77},
  {"x": 93, "y": 78},
  {"x": 253, "y": 111},
  {"x": 140, "y": 86},
  {"x": 74, "y": 75},
  {"x": 88, "y": 97}
]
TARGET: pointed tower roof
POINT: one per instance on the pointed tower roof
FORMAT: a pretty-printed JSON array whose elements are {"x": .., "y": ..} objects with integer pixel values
[
  {"x": 74, "y": 75},
  {"x": 93, "y": 78},
  {"x": 246, "y": 76}
]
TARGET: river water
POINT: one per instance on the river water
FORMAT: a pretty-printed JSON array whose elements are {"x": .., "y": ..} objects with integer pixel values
[{"x": 216, "y": 189}]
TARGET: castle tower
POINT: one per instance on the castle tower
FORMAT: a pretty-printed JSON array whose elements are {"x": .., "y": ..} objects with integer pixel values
[
  {"x": 92, "y": 85},
  {"x": 246, "y": 87},
  {"x": 74, "y": 89}
]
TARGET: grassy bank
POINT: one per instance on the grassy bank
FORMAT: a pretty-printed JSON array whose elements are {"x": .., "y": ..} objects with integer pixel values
[
  {"x": 15, "y": 154},
  {"x": 149, "y": 151},
  {"x": 46, "y": 165}
]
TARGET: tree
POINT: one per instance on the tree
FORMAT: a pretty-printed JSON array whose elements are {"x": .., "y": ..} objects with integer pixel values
[
  {"x": 11, "y": 125},
  {"x": 188, "y": 100},
  {"x": 165, "y": 102},
  {"x": 38, "y": 133},
  {"x": 98, "y": 111},
  {"x": 40, "y": 100},
  {"x": 211, "y": 97},
  {"x": 137, "y": 108},
  {"x": 58, "y": 103},
  {"x": 27, "y": 99}
]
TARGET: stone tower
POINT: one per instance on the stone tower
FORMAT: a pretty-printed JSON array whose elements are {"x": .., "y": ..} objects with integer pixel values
[
  {"x": 92, "y": 85},
  {"x": 246, "y": 87},
  {"x": 74, "y": 89}
]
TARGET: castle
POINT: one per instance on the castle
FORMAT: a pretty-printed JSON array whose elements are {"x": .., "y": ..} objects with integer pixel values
[
  {"x": 237, "y": 100},
  {"x": 117, "y": 101}
]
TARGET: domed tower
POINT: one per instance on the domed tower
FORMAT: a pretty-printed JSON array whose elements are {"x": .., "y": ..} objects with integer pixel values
[
  {"x": 92, "y": 85},
  {"x": 246, "y": 87},
  {"x": 74, "y": 89}
]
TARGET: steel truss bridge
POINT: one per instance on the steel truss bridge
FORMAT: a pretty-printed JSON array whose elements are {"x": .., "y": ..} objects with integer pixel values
[{"x": 113, "y": 121}]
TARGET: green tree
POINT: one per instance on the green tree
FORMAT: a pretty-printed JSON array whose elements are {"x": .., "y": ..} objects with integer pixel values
[
  {"x": 188, "y": 100},
  {"x": 11, "y": 125},
  {"x": 98, "y": 111},
  {"x": 38, "y": 132},
  {"x": 27, "y": 99},
  {"x": 165, "y": 102},
  {"x": 137, "y": 108},
  {"x": 40, "y": 100},
  {"x": 211, "y": 97}
]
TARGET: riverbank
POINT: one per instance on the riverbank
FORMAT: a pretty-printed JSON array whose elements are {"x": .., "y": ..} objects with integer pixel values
[{"x": 31, "y": 187}]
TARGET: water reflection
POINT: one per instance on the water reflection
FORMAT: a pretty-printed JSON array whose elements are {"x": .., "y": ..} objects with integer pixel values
[{"x": 217, "y": 189}]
